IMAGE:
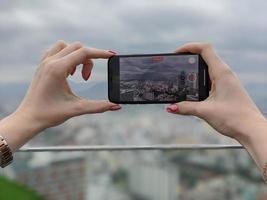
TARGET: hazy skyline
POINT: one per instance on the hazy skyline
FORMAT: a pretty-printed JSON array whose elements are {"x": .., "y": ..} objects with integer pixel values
[{"x": 140, "y": 67}]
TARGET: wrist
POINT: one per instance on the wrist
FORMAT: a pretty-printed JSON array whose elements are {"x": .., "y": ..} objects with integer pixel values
[
  {"x": 254, "y": 139},
  {"x": 252, "y": 128},
  {"x": 18, "y": 128}
]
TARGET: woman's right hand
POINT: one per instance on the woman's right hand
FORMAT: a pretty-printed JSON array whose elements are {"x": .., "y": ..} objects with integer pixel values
[{"x": 228, "y": 109}]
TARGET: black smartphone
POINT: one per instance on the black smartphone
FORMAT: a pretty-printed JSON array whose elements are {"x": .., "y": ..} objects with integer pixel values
[{"x": 157, "y": 78}]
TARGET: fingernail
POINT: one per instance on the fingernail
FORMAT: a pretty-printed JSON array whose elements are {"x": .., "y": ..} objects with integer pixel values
[
  {"x": 73, "y": 71},
  {"x": 172, "y": 108},
  {"x": 115, "y": 107},
  {"x": 113, "y": 52},
  {"x": 88, "y": 76}
]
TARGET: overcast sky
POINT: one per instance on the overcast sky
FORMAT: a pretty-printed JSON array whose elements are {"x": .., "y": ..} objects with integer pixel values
[{"x": 238, "y": 30}]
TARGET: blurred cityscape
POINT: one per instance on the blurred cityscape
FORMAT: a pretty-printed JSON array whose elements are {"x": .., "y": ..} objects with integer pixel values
[
  {"x": 140, "y": 175},
  {"x": 158, "y": 78},
  {"x": 137, "y": 175},
  {"x": 183, "y": 88}
]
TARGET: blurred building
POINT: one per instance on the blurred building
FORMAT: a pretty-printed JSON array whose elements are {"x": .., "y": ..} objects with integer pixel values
[
  {"x": 55, "y": 176},
  {"x": 127, "y": 95},
  {"x": 154, "y": 182}
]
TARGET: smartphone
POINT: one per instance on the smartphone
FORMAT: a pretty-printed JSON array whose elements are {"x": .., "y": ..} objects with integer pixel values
[{"x": 157, "y": 78}]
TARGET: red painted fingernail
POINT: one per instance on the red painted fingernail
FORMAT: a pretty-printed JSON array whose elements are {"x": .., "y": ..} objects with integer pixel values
[
  {"x": 88, "y": 76},
  {"x": 115, "y": 107},
  {"x": 113, "y": 52},
  {"x": 73, "y": 71},
  {"x": 173, "y": 108}
]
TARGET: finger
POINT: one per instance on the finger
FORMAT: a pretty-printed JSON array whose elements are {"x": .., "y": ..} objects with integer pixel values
[
  {"x": 44, "y": 56},
  {"x": 97, "y": 106},
  {"x": 73, "y": 70},
  {"x": 87, "y": 68},
  {"x": 79, "y": 56},
  {"x": 71, "y": 48},
  {"x": 185, "y": 108},
  {"x": 216, "y": 65},
  {"x": 55, "y": 49}
]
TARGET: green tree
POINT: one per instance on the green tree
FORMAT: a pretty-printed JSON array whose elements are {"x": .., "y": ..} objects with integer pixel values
[{"x": 10, "y": 190}]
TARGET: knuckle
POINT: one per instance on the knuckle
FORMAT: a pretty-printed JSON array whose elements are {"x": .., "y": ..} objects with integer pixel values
[
  {"x": 61, "y": 43},
  {"x": 100, "y": 111},
  {"x": 45, "y": 54},
  {"x": 77, "y": 45},
  {"x": 51, "y": 68},
  {"x": 84, "y": 51},
  {"x": 46, "y": 61},
  {"x": 197, "y": 110},
  {"x": 207, "y": 45},
  {"x": 80, "y": 106},
  {"x": 227, "y": 72}
]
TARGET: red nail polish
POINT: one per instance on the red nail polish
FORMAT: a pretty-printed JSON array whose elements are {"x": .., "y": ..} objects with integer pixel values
[
  {"x": 88, "y": 76},
  {"x": 172, "y": 108},
  {"x": 168, "y": 110},
  {"x": 113, "y": 52},
  {"x": 115, "y": 107},
  {"x": 73, "y": 71}
]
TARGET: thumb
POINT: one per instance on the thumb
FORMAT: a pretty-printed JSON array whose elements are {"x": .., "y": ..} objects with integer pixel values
[
  {"x": 184, "y": 108},
  {"x": 96, "y": 106}
]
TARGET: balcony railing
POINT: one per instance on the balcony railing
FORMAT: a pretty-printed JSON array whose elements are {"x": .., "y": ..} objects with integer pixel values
[{"x": 128, "y": 147}]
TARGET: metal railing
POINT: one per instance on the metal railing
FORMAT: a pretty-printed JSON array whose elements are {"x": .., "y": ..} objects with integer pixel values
[
  {"x": 129, "y": 147},
  {"x": 132, "y": 147}
]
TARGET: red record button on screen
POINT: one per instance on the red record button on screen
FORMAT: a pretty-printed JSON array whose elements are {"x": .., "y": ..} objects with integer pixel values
[
  {"x": 157, "y": 58},
  {"x": 191, "y": 77}
]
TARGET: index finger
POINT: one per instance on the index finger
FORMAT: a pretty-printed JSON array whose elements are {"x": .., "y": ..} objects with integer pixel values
[
  {"x": 215, "y": 64},
  {"x": 60, "y": 44},
  {"x": 79, "y": 56}
]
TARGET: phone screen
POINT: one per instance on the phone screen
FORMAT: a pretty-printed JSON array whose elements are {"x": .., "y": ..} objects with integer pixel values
[{"x": 159, "y": 78}]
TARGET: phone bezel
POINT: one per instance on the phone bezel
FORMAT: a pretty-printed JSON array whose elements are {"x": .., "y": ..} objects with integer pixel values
[{"x": 114, "y": 78}]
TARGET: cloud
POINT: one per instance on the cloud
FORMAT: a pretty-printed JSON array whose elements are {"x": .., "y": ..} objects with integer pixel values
[{"x": 236, "y": 28}]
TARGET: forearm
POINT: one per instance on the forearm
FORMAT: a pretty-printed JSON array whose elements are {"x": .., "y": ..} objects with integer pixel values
[
  {"x": 18, "y": 128},
  {"x": 254, "y": 139}
]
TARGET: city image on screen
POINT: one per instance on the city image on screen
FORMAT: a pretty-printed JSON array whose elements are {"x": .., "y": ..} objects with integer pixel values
[{"x": 159, "y": 78}]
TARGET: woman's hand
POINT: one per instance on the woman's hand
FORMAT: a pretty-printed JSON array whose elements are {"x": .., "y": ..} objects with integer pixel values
[
  {"x": 228, "y": 109},
  {"x": 50, "y": 100}
]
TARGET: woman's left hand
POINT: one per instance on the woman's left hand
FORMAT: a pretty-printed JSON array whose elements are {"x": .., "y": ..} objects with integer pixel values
[{"x": 50, "y": 100}]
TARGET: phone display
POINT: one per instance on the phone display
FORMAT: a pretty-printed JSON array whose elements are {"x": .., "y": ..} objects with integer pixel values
[{"x": 158, "y": 78}]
